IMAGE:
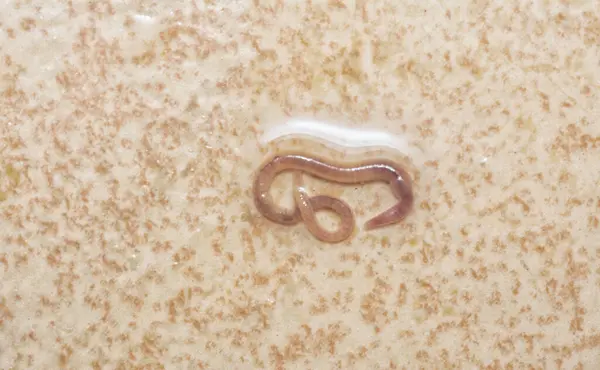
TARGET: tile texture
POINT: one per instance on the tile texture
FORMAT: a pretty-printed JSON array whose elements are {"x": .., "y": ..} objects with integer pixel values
[{"x": 129, "y": 136}]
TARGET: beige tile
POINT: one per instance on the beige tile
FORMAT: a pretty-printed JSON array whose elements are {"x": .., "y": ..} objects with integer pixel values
[{"x": 130, "y": 134}]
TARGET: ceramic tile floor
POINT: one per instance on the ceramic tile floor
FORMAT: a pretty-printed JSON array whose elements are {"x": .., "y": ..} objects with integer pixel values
[{"x": 130, "y": 134}]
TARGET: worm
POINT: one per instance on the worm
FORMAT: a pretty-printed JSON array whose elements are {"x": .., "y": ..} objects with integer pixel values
[
  {"x": 308, "y": 206},
  {"x": 349, "y": 173}
]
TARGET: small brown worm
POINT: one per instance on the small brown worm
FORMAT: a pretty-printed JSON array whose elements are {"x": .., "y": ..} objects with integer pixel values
[
  {"x": 309, "y": 206},
  {"x": 357, "y": 173}
]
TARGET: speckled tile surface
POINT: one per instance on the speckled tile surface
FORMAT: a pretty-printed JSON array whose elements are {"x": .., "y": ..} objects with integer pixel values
[{"x": 129, "y": 137}]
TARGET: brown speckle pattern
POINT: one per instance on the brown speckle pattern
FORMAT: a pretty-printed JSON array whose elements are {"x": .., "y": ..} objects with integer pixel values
[{"x": 129, "y": 135}]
